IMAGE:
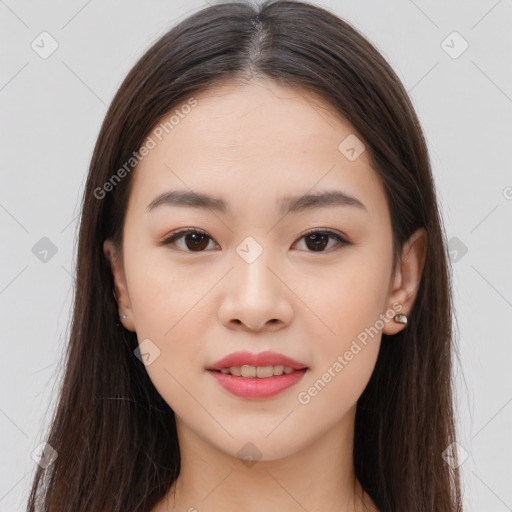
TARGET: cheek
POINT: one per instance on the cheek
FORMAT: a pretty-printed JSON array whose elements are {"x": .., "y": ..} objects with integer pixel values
[
  {"x": 166, "y": 306},
  {"x": 348, "y": 298},
  {"x": 345, "y": 353},
  {"x": 161, "y": 293},
  {"x": 347, "y": 340}
]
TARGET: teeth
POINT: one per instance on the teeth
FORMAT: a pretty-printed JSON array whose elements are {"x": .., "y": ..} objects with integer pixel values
[{"x": 261, "y": 372}]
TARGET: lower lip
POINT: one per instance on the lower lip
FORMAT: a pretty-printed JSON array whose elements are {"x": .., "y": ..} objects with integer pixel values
[{"x": 247, "y": 387}]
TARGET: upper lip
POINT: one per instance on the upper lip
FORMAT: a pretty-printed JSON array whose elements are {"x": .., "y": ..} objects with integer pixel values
[{"x": 267, "y": 358}]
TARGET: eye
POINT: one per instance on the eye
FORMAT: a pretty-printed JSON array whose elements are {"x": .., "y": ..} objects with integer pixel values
[
  {"x": 196, "y": 240},
  {"x": 318, "y": 239}
]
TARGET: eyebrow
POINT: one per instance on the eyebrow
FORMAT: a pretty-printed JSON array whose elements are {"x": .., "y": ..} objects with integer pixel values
[{"x": 289, "y": 204}]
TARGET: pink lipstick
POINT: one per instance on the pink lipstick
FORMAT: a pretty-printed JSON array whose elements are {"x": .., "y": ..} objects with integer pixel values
[{"x": 262, "y": 375}]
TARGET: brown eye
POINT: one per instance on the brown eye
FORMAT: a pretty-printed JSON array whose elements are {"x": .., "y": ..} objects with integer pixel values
[
  {"x": 194, "y": 240},
  {"x": 318, "y": 240}
]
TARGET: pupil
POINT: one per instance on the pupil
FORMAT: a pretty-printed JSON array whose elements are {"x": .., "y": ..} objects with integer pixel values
[
  {"x": 197, "y": 239},
  {"x": 317, "y": 246}
]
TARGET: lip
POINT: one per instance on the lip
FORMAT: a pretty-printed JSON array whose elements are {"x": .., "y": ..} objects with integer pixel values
[
  {"x": 246, "y": 387},
  {"x": 267, "y": 358}
]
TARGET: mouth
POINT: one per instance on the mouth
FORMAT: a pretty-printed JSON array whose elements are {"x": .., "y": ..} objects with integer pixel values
[
  {"x": 263, "y": 375},
  {"x": 257, "y": 382},
  {"x": 260, "y": 372},
  {"x": 261, "y": 362}
]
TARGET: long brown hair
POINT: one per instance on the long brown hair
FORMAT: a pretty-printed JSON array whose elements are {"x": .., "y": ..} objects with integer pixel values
[{"x": 114, "y": 435}]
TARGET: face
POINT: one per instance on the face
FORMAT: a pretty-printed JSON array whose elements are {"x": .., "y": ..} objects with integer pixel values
[{"x": 270, "y": 271}]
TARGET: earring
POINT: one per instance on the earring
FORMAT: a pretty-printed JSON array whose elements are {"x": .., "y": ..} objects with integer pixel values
[
  {"x": 401, "y": 318},
  {"x": 122, "y": 317}
]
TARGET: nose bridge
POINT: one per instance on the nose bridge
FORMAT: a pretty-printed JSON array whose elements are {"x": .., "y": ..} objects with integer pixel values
[
  {"x": 252, "y": 275},
  {"x": 255, "y": 295}
]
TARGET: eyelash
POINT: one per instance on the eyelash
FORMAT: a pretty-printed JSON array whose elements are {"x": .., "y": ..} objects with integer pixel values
[{"x": 332, "y": 234}]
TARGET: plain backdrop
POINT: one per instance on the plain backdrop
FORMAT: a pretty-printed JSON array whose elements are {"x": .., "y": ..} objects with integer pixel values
[{"x": 454, "y": 58}]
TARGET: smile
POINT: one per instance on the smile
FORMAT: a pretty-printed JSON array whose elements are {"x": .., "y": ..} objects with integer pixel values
[
  {"x": 262, "y": 372},
  {"x": 257, "y": 382}
]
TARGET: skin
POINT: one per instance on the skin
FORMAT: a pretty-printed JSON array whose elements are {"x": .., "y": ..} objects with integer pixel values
[{"x": 250, "y": 144}]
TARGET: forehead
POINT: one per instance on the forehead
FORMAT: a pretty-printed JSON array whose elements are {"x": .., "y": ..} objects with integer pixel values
[{"x": 251, "y": 143}]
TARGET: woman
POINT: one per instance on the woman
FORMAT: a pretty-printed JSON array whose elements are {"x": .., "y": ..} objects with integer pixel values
[{"x": 262, "y": 313}]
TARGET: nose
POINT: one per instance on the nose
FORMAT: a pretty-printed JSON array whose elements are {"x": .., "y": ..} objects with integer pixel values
[{"x": 256, "y": 298}]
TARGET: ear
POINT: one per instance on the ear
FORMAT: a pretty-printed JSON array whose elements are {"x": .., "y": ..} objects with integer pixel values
[
  {"x": 406, "y": 280},
  {"x": 121, "y": 290}
]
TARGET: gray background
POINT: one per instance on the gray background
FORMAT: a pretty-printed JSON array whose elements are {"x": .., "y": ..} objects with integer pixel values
[{"x": 51, "y": 110}]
